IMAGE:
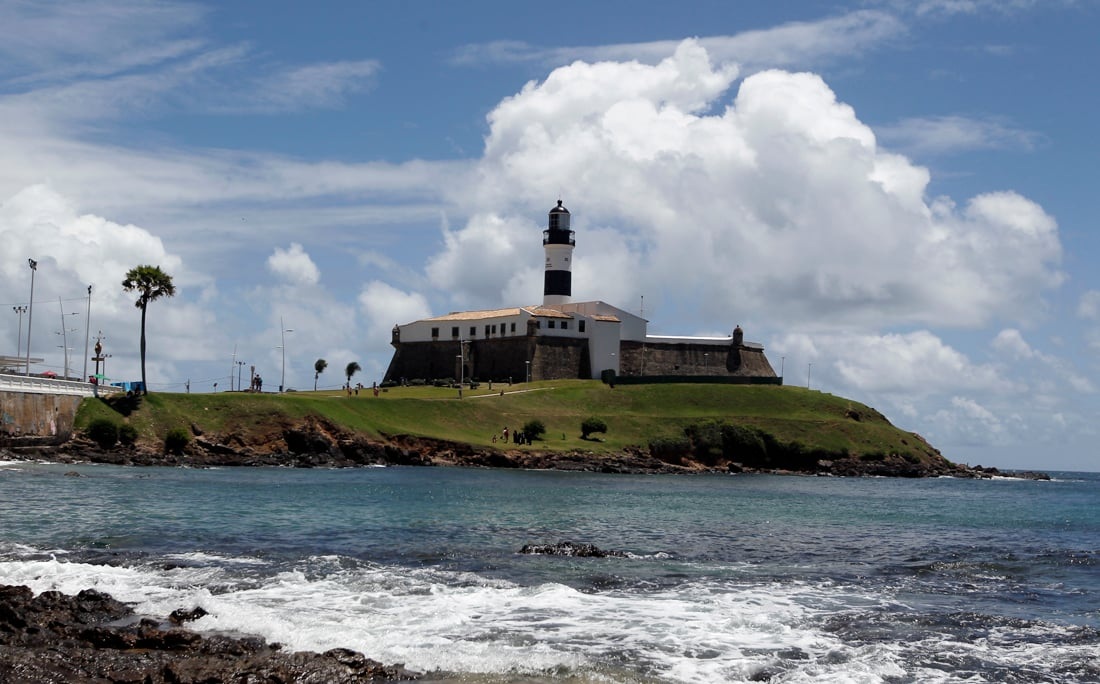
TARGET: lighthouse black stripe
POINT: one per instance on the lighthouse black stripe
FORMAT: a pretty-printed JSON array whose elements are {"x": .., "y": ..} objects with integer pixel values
[{"x": 558, "y": 283}]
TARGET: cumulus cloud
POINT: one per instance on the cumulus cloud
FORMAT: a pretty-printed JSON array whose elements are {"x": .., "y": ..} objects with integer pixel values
[
  {"x": 74, "y": 250},
  {"x": 294, "y": 265},
  {"x": 384, "y": 306},
  {"x": 917, "y": 364},
  {"x": 781, "y": 198}
]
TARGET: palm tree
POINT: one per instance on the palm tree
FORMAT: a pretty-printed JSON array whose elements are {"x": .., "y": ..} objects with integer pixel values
[
  {"x": 319, "y": 367},
  {"x": 151, "y": 284},
  {"x": 351, "y": 370}
]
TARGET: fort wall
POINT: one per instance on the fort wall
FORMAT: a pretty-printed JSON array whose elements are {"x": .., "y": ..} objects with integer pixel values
[{"x": 554, "y": 358}]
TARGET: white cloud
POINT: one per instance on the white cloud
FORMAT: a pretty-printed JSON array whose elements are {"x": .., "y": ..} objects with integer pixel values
[
  {"x": 1089, "y": 305},
  {"x": 70, "y": 39},
  {"x": 294, "y": 265},
  {"x": 311, "y": 86},
  {"x": 955, "y": 134},
  {"x": 385, "y": 306},
  {"x": 781, "y": 199},
  {"x": 917, "y": 364},
  {"x": 965, "y": 422},
  {"x": 1011, "y": 343},
  {"x": 795, "y": 44}
]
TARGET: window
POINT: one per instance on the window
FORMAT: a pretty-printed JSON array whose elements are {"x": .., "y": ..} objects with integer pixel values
[
  {"x": 454, "y": 332},
  {"x": 473, "y": 331},
  {"x": 435, "y": 333},
  {"x": 494, "y": 329},
  {"x": 565, "y": 325},
  {"x": 513, "y": 328},
  {"x": 486, "y": 331},
  {"x": 551, "y": 324},
  {"x": 580, "y": 326},
  {"x": 538, "y": 324}
]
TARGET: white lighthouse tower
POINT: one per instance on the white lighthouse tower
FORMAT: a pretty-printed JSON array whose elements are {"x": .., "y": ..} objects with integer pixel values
[{"x": 557, "y": 241}]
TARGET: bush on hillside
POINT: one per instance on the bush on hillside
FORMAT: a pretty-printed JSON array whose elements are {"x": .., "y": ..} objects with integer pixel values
[
  {"x": 591, "y": 426},
  {"x": 127, "y": 434},
  {"x": 176, "y": 441},
  {"x": 670, "y": 449},
  {"x": 534, "y": 429},
  {"x": 706, "y": 441},
  {"x": 744, "y": 445},
  {"x": 103, "y": 432}
]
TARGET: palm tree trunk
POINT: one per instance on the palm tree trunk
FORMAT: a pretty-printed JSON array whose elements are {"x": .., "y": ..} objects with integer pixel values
[{"x": 144, "y": 384}]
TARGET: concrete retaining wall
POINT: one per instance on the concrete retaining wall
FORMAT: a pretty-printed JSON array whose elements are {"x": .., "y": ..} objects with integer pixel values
[{"x": 26, "y": 414}]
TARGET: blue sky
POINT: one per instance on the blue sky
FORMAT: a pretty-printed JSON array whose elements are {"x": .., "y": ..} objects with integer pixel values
[{"x": 898, "y": 193}]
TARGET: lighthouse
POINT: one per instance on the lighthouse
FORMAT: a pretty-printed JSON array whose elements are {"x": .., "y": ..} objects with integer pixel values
[{"x": 557, "y": 241}]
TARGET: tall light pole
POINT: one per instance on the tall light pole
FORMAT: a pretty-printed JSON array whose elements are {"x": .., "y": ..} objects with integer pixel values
[
  {"x": 528, "y": 364},
  {"x": 782, "y": 365},
  {"x": 87, "y": 334},
  {"x": 64, "y": 332},
  {"x": 30, "y": 314},
  {"x": 19, "y": 345},
  {"x": 240, "y": 365},
  {"x": 282, "y": 333},
  {"x": 809, "y": 366},
  {"x": 706, "y": 363}
]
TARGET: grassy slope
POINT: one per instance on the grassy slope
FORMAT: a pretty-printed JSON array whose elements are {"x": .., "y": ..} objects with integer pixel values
[{"x": 634, "y": 414}]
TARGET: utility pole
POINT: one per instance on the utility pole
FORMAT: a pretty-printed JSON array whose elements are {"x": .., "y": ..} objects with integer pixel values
[{"x": 30, "y": 314}]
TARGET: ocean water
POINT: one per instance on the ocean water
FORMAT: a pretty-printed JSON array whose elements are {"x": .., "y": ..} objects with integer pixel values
[{"x": 728, "y": 578}]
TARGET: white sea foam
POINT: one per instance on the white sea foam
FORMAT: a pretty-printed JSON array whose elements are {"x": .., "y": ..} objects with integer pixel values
[{"x": 435, "y": 620}]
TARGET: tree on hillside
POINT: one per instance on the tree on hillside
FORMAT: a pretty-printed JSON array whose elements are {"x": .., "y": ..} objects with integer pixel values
[
  {"x": 351, "y": 370},
  {"x": 319, "y": 367},
  {"x": 151, "y": 284},
  {"x": 592, "y": 425}
]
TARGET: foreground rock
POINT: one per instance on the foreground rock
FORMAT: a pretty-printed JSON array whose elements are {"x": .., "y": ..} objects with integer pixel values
[
  {"x": 91, "y": 637},
  {"x": 567, "y": 548}
]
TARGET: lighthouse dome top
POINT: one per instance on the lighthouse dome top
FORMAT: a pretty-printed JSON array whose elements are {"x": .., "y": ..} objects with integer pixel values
[{"x": 559, "y": 209}]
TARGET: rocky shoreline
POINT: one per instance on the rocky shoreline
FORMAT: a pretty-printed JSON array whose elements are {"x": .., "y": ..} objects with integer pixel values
[
  {"x": 316, "y": 443},
  {"x": 91, "y": 637}
]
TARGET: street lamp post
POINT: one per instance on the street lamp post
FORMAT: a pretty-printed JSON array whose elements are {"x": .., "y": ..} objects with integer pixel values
[
  {"x": 87, "y": 334},
  {"x": 240, "y": 365},
  {"x": 782, "y": 365},
  {"x": 461, "y": 373},
  {"x": 528, "y": 364},
  {"x": 809, "y": 366},
  {"x": 19, "y": 345},
  {"x": 706, "y": 363},
  {"x": 30, "y": 314},
  {"x": 282, "y": 336}
]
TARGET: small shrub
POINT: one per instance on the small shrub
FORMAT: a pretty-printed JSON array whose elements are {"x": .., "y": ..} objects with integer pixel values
[
  {"x": 591, "y": 426},
  {"x": 103, "y": 432},
  {"x": 176, "y": 440},
  {"x": 534, "y": 429},
  {"x": 127, "y": 434}
]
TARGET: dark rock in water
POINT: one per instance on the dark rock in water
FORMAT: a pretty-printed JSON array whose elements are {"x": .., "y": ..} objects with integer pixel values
[
  {"x": 570, "y": 549},
  {"x": 91, "y": 637},
  {"x": 179, "y": 616}
]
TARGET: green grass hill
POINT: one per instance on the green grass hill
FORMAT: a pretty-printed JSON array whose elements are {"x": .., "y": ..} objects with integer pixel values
[{"x": 707, "y": 424}]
